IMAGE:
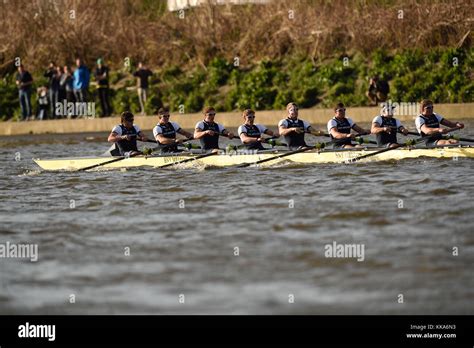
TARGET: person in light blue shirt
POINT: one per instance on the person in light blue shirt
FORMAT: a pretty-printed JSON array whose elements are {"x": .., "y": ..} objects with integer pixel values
[{"x": 80, "y": 82}]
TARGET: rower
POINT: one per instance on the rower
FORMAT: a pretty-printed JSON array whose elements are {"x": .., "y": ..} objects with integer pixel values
[
  {"x": 208, "y": 131},
  {"x": 250, "y": 133},
  {"x": 294, "y": 129},
  {"x": 385, "y": 127},
  {"x": 165, "y": 132},
  {"x": 428, "y": 125},
  {"x": 339, "y": 128},
  {"x": 125, "y": 135}
]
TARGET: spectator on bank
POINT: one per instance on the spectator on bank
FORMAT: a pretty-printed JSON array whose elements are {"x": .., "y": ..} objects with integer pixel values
[
  {"x": 24, "y": 80},
  {"x": 53, "y": 91},
  {"x": 102, "y": 77},
  {"x": 42, "y": 103},
  {"x": 142, "y": 74},
  {"x": 61, "y": 87},
  {"x": 66, "y": 85},
  {"x": 378, "y": 90},
  {"x": 81, "y": 81}
]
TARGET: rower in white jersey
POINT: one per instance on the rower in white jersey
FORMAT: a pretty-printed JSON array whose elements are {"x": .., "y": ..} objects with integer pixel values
[
  {"x": 428, "y": 125},
  {"x": 385, "y": 127},
  {"x": 125, "y": 135},
  {"x": 294, "y": 129},
  {"x": 165, "y": 132},
  {"x": 340, "y": 126},
  {"x": 208, "y": 131},
  {"x": 250, "y": 133}
]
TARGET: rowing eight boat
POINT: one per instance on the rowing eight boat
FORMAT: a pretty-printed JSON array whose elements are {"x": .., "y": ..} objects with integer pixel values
[{"x": 232, "y": 159}]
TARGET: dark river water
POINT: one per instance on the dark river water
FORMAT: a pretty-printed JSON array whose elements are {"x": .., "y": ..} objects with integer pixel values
[{"x": 154, "y": 241}]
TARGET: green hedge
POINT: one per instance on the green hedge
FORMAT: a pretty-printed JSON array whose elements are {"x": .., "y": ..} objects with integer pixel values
[{"x": 412, "y": 74}]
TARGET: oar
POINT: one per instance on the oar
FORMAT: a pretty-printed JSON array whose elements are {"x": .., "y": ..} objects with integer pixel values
[
  {"x": 449, "y": 130},
  {"x": 304, "y": 149},
  {"x": 455, "y": 137},
  {"x": 395, "y": 147},
  {"x": 107, "y": 162}
]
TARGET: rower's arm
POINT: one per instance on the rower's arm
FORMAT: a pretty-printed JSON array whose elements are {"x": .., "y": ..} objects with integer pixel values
[
  {"x": 228, "y": 134},
  {"x": 360, "y": 130},
  {"x": 403, "y": 130},
  {"x": 429, "y": 131},
  {"x": 114, "y": 137},
  {"x": 142, "y": 136},
  {"x": 285, "y": 131},
  {"x": 270, "y": 132},
  {"x": 199, "y": 133},
  {"x": 375, "y": 129},
  {"x": 165, "y": 141},
  {"x": 315, "y": 132},
  {"x": 450, "y": 124},
  {"x": 186, "y": 134},
  {"x": 246, "y": 139},
  {"x": 338, "y": 135}
]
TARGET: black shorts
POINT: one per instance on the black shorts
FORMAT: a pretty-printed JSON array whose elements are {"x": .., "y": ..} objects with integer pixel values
[
  {"x": 433, "y": 141},
  {"x": 387, "y": 145},
  {"x": 341, "y": 146}
]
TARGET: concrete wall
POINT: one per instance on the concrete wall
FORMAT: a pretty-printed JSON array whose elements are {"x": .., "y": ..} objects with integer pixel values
[{"x": 229, "y": 119}]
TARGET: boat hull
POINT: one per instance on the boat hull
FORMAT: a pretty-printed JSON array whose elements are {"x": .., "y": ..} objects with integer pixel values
[{"x": 225, "y": 160}]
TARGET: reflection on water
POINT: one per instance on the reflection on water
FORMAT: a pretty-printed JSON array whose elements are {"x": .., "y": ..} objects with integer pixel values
[{"x": 132, "y": 241}]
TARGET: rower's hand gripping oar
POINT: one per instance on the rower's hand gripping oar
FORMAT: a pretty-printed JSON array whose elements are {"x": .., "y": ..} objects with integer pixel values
[{"x": 409, "y": 143}]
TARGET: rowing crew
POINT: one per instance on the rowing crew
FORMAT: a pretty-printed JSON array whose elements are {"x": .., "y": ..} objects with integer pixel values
[{"x": 384, "y": 126}]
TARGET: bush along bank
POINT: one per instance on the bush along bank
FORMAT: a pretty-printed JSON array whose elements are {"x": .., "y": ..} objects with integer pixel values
[{"x": 443, "y": 75}]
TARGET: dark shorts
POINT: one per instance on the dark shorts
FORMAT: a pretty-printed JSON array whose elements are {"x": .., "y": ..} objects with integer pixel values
[
  {"x": 387, "y": 145},
  {"x": 341, "y": 146},
  {"x": 433, "y": 141}
]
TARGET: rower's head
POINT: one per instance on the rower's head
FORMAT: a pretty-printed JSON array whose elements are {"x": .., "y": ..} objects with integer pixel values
[
  {"x": 340, "y": 110},
  {"x": 100, "y": 62},
  {"x": 249, "y": 116},
  {"x": 426, "y": 107},
  {"x": 163, "y": 115},
  {"x": 209, "y": 114},
  {"x": 292, "y": 109},
  {"x": 140, "y": 65},
  {"x": 78, "y": 62},
  {"x": 387, "y": 110},
  {"x": 127, "y": 119},
  {"x": 21, "y": 68}
]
